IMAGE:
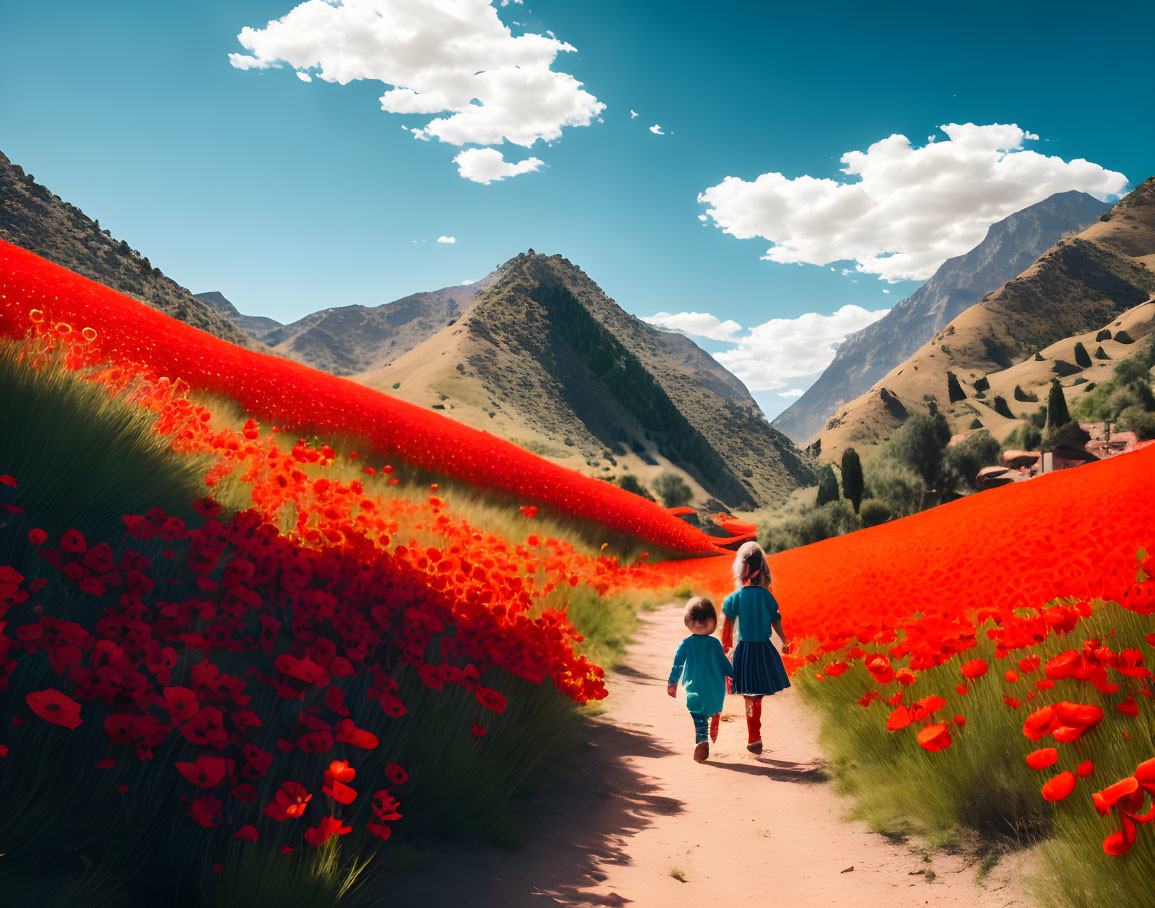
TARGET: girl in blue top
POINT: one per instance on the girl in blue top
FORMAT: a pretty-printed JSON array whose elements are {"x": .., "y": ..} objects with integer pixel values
[
  {"x": 704, "y": 668},
  {"x": 758, "y": 669}
]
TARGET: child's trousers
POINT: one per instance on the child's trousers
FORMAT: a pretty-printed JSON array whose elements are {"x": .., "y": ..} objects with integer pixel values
[{"x": 701, "y": 727}]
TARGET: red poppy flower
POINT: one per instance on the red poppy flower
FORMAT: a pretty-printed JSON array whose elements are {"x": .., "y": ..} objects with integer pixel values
[
  {"x": 348, "y": 733},
  {"x": 934, "y": 737},
  {"x": 248, "y": 833},
  {"x": 37, "y": 536},
  {"x": 289, "y": 802},
  {"x": 976, "y": 668},
  {"x": 1059, "y": 787},
  {"x": 206, "y": 811},
  {"x": 328, "y": 827},
  {"x": 73, "y": 541},
  {"x": 341, "y": 771},
  {"x": 53, "y": 706},
  {"x": 1084, "y": 769},
  {"x": 478, "y": 731},
  {"x": 396, "y": 774},
  {"x": 385, "y": 806},
  {"x": 1041, "y": 759},
  {"x": 490, "y": 699},
  {"x": 380, "y": 830},
  {"x": 207, "y": 772},
  {"x": 339, "y": 792}
]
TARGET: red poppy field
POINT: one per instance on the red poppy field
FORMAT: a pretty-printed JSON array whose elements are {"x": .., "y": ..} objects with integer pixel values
[{"x": 303, "y": 668}]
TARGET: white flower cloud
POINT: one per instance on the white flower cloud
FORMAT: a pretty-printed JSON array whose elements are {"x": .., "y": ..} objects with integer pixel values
[
  {"x": 485, "y": 165},
  {"x": 657, "y": 130},
  {"x": 453, "y": 58},
  {"x": 448, "y": 240},
  {"x": 699, "y": 324},
  {"x": 902, "y": 211}
]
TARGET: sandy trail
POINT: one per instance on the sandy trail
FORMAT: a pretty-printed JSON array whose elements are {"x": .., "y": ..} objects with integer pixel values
[{"x": 632, "y": 806}]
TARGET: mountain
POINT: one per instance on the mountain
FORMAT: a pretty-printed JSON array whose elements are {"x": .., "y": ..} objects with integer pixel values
[
  {"x": 1101, "y": 279},
  {"x": 351, "y": 339},
  {"x": 35, "y": 219},
  {"x": 544, "y": 358},
  {"x": 864, "y": 357}
]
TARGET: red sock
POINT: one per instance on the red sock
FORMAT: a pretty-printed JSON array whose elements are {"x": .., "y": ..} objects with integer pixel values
[{"x": 754, "y": 718}]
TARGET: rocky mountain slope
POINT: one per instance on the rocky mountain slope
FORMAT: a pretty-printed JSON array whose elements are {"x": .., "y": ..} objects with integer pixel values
[
  {"x": 544, "y": 358},
  {"x": 41, "y": 222},
  {"x": 1010, "y": 246},
  {"x": 1097, "y": 280},
  {"x": 351, "y": 339}
]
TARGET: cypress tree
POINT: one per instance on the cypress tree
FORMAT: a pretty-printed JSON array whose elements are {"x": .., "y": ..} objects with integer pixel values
[
  {"x": 827, "y": 486},
  {"x": 853, "y": 483},
  {"x": 1057, "y": 412}
]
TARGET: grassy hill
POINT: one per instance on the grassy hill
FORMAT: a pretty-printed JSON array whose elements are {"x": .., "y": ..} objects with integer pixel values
[
  {"x": 547, "y": 360},
  {"x": 1023, "y": 333}
]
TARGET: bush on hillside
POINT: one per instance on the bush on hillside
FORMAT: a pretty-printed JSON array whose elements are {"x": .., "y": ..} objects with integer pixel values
[
  {"x": 673, "y": 490},
  {"x": 631, "y": 483},
  {"x": 1082, "y": 357},
  {"x": 962, "y": 462},
  {"x": 1025, "y": 396},
  {"x": 827, "y": 486},
  {"x": 873, "y": 512}
]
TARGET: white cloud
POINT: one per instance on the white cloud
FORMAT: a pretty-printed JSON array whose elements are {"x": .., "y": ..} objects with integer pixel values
[
  {"x": 450, "y": 240},
  {"x": 485, "y": 165},
  {"x": 785, "y": 348},
  {"x": 699, "y": 324},
  {"x": 902, "y": 211},
  {"x": 633, "y": 114},
  {"x": 657, "y": 130},
  {"x": 453, "y": 58},
  {"x": 793, "y": 392},
  {"x": 884, "y": 290},
  {"x": 467, "y": 283},
  {"x": 304, "y": 77}
]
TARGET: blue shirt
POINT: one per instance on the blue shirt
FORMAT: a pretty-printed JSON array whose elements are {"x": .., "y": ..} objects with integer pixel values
[
  {"x": 755, "y": 610},
  {"x": 702, "y": 664}
]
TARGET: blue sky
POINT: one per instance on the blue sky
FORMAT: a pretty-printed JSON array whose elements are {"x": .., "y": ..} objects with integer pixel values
[{"x": 291, "y": 196}]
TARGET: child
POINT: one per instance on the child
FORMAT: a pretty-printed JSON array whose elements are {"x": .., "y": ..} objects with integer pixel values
[
  {"x": 758, "y": 669},
  {"x": 704, "y": 669}
]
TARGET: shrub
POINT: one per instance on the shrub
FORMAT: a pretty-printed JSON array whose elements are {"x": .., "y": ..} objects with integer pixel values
[
  {"x": 631, "y": 483},
  {"x": 1100, "y": 353},
  {"x": 1002, "y": 408},
  {"x": 1138, "y": 420},
  {"x": 982, "y": 385},
  {"x": 919, "y": 444},
  {"x": 1123, "y": 337},
  {"x": 1103, "y": 335},
  {"x": 673, "y": 490},
  {"x": 1062, "y": 368},
  {"x": 954, "y": 390},
  {"x": 873, "y": 512},
  {"x": 976, "y": 423},
  {"x": 1025, "y": 396},
  {"x": 1068, "y": 435},
  {"x": 1027, "y": 437},
  {"x": 1082, "y": 357},
  {"x": 962, "y": 462},
  {"x": 895, "y": 484}
]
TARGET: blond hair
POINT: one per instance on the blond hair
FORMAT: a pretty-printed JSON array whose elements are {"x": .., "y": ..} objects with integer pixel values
[{"x": 750, "y": 566}]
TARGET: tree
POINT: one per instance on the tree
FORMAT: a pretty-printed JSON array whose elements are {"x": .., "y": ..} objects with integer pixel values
[
  {"x": 673, "y": 490},
  {"x": 827, "y": 486},
  {"x": 962, "y": 462},
  {"x": 1057, "y": 412},
  {"x": 1082, "y": 357},
  {"x": 853, "y": 484},
  {"x": 919, "y": 444}
]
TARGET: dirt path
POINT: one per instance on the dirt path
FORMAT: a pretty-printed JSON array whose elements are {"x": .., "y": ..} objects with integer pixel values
[{"x": 633, "y": 807}]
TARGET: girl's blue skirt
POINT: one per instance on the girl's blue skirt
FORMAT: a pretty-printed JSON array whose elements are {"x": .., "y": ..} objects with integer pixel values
[{"x": 758, "y": 669}]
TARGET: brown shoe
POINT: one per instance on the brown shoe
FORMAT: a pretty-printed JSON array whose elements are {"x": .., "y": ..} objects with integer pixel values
[
  {"x": 702, "y": 751},
  {"x": 755, "y": 747}
]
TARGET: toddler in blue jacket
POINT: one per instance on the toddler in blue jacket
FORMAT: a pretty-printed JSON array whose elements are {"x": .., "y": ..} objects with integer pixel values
[{"x": 703, "y": 667}]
